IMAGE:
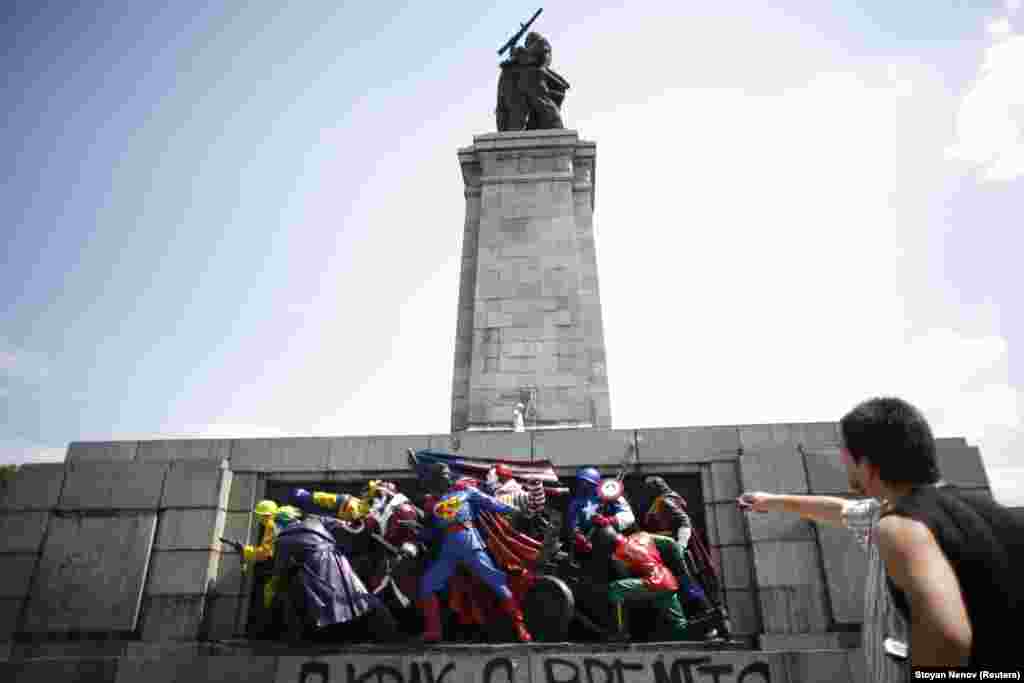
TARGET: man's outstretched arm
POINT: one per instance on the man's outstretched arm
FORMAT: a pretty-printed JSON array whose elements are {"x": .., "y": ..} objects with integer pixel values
[
  {"x": 826, "y": 509},
  {"x": 940, "y": 631}
]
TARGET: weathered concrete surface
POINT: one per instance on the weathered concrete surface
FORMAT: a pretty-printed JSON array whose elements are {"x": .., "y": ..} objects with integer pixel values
[
  {"x": 806, "y": 434},
  {"x": 22, "y": 532},
  {"x": 280, "y": 455},
  {"x": 172, "y": 617},
  {"x": 372, "y": 452},
  {"x": 778, "y": 527},
  {"x": 774, "y": 469},
  {"x": 515, "y": 445},
  {"x": 182, "y": 572},
  {"x": 794, "y": 609},
  {"x": 730, "y": 524},
  {"x": 190, "y": 529},
  {"x": 743, "y": 611},
  {"x": 62, "y": 670},
  {"x": 33, "y": 487},
  {"x": 737, "y": 570},
  {"x": 113, "y": 485},
  {"x": 825, "y": 472},
  {"x": 222, "y": 617},
  {"x": 846, "y": 569},
  {"x": 172, "y": 450},
  {"x": 243, "y": 491},
  {"x": 687, "y": 444},
  {"x": 641, "y": 663},
  {"x": 203, "y": 484},
  {"x": 102, "y": 451},
  {"x": 10, "y": 610},
  {"x": 91, "y": 573},
  {"x": 583, "y": 447},
  {"x": 725, "y": 481},
  {"x": 529, "y": 316},
  {"x": 17, "y": 571}
]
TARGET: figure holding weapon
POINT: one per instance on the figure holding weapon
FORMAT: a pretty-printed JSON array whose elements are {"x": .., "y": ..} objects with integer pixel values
[{"x": 530, "y": 93}]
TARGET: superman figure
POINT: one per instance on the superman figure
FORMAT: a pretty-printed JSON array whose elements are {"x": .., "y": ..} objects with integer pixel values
[{"x": 453, "y": 518}]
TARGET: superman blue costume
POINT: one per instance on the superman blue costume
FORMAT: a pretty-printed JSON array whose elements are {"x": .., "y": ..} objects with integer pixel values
[{"x": 453, "y": 518}]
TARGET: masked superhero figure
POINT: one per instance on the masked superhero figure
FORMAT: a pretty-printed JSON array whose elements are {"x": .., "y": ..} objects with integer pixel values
[
  {"x": 453, "y": 516},
  {"x": 640, "y": 575},
  {"x": 588, "y": 503}
]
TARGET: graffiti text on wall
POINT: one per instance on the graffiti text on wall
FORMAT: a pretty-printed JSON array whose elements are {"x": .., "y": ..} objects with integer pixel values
[{"x": 689, "y": 669}]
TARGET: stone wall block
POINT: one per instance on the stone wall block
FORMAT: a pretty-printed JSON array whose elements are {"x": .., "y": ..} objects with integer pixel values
[
  {"x": 223, "y": 617},
  {"x": 807, "y": 434},
  {"x": 182, "y": 572},
  {"x": 687, "y": 444},
  {"x": 190, "y": 529},
  {"x": 725, "y": 481},
  {"x": 35, "y": 486},
  {"x": 64, "y": 670},
  {"x": 309, "y": 454},
  {"x": 846, "y": 568},
  {"x": 512, "y": 445},
  {"x": 113, "y": 486},
  {"x": 578, "y": 447},
  {"x": 770, "y": 526},
  {"x": 230, "y": 578},
  {"x": 819, "y": 666},
  {"x": 22, "y": 532},
  {"x": 91, "y": 573},
  {"x": 17, "y": 571},
  {"x": 372, "y": 453},
  {"x": 801, "y": 641},
  {"x": 239, "y": 526},
  {"x": 793, "y": 609},
  {"x": 102, "y": 451},
  {"x": 172, "y": 450},
  {"x": 736, "y": 567},
  {"x": 730, "y": 524},
  {"x": 10, "y": 610},
  {"x": 244, "y": 491},
  {"x": 172, "y": 617},
  {"x": 825, "y": 471},
  {"x": 787, "y": 563},
  {"x": 777, "y": 469},
  {"x": 742, "y": 606},
  {"x": 197, "y": 484}
]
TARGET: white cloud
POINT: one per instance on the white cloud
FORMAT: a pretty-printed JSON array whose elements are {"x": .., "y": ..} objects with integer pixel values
[
  {"x": 1000, "y": 28},
  {"x": 990, "y": 121},
  {"x": 1012, "y": 6}
]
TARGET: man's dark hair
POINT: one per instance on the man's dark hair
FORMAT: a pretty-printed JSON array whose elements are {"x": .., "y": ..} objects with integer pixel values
[{"x": 893, "y": 435}]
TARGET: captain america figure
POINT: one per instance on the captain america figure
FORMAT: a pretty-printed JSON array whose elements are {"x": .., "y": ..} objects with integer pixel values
[
  {"x": 453, "y": 525},
  {"x": 587, "y": 503}
]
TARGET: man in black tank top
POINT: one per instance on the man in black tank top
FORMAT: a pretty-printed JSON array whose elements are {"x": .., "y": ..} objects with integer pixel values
[{"x": 949, "y": 554}]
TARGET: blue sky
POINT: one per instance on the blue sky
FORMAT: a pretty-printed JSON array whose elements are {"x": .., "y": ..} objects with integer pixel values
[{"x": 244, "y": 219}]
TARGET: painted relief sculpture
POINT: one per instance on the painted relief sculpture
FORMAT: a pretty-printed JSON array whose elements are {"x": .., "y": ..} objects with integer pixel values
[{"x": 482, "y": 558}]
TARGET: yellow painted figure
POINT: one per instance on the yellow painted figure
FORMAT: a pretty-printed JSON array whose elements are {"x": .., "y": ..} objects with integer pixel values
[{"x": 265, "y": 511}]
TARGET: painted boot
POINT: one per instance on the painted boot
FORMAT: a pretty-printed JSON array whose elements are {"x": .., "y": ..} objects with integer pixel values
[
  {"x": 431, "y": 608},
  {"x": 511, "y": 608}
]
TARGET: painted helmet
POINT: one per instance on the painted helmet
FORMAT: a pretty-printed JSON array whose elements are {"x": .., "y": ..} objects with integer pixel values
[
  {"x": 286, "y": 514},
  {"x": 589, "y": 474},
  {"x": 266, "y": 508}
]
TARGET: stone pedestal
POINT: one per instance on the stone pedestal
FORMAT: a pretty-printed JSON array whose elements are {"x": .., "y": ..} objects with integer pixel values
[{"x": 529, "y": 325}]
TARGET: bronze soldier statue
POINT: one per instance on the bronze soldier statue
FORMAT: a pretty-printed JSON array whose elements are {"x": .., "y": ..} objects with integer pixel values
[{"x": 530, "y": 94}]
